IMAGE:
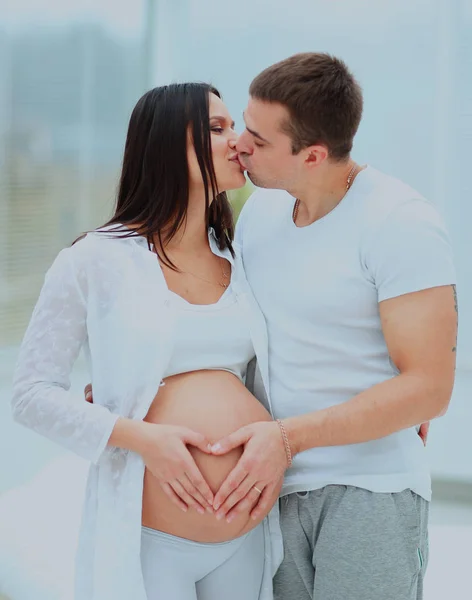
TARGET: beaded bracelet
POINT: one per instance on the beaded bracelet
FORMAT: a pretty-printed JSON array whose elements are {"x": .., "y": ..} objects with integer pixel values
[{"x": 288, "y": 451}]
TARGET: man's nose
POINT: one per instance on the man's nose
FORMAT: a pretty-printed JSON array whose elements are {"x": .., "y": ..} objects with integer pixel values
[{"x": 242, "y": 145}]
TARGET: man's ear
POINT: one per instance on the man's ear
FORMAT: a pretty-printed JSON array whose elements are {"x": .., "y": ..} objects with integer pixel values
[{"x": 315, "y": 155}]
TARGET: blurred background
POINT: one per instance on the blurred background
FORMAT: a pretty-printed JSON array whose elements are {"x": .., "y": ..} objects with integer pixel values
[{"x": 70, "y": 74}]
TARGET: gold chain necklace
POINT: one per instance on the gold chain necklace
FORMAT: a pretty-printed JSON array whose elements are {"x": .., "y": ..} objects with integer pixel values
[
  {"x": 348, "y": 185},
  {"x": 224, "y": 276},
  {"x": 221, "y": 283}
]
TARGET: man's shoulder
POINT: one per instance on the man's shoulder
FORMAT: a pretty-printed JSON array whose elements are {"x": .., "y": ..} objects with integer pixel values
[{"x": 386, "y": 196}]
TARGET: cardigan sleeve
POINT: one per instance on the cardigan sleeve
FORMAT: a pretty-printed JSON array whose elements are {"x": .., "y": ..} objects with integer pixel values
[{"x": 42, "y": 400}]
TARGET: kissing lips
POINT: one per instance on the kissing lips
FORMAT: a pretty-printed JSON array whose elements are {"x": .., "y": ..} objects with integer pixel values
[{"x": 235, "y": 159}]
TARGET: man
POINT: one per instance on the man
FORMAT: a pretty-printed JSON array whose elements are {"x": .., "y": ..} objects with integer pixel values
[{"x": 353, "y": 271}]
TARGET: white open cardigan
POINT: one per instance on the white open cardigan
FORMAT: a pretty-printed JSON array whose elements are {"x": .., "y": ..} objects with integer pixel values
[{"x": 109, "y": 297}]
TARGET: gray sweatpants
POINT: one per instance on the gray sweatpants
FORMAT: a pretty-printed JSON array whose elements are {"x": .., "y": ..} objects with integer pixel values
[{"x": 346, "y": 543}]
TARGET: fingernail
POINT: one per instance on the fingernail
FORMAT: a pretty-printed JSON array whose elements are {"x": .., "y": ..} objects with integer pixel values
[
  {"x": 254, "y": 517},
  {"x": 216, "y": 506},
  {"x": 230, "y": 518},
  {"x": 184, "y": 509},
  {"x": 219, "y": 516},
  {"x": 200, "y": 510},
  {"x": 88, "y": 395},
  {"x": 216, "y": 448},
  {"x": 210, "y": 510}
]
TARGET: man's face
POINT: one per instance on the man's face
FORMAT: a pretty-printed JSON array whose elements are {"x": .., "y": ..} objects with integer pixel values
[{"x": 265, "y": 151}]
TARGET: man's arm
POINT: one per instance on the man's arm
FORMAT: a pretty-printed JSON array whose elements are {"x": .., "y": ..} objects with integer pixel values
[{"x": 420, "y": 330}]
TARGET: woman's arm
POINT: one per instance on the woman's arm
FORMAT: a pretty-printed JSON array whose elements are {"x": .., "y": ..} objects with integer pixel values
[{"x": 41, "y": 398}]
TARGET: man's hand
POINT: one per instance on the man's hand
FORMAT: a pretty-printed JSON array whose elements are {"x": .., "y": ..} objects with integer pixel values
[
  {"x": 423, "y": 432},
  {"x": 88, "y": 393},
  {"x": 258, "y": 472}
]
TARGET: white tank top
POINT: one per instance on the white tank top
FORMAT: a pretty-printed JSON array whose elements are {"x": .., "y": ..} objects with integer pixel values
[{"x": 210, "y": 336}]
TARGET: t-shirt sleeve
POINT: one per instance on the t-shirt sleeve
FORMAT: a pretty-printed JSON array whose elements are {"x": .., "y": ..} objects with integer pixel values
[{"x": 410, "y": 251}]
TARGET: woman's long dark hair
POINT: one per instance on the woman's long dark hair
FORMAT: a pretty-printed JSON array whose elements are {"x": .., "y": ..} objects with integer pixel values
[{"x": 153, "y": 192}]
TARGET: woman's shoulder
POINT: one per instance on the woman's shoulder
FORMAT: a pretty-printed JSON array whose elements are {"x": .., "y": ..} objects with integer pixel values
[
  {"x": 100, "y": 244},
  {"x": 95, "y": 254}
]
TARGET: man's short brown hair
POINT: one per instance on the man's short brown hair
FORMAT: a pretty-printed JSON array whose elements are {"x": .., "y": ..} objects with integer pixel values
[{"x": 323, "y": 99}]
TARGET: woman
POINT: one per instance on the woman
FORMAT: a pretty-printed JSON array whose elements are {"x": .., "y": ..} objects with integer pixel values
[{"x": 158, "y": 299}]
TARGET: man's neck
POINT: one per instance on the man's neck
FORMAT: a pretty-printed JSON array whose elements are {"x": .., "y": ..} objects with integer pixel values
[{"x": 320, "y": 196}]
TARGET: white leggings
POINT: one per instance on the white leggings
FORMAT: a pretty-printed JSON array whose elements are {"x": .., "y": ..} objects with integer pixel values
[{"x": 178, "y": 569}]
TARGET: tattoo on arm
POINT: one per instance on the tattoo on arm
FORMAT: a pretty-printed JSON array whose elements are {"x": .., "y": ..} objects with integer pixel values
[{"x": 454, "y": 291}]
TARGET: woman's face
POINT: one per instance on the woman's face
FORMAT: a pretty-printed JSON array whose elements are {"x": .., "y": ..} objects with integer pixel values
[{"x": 228, "y": 171}]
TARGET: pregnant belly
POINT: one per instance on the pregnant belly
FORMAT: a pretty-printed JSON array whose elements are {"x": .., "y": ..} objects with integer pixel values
[{"x": 214, "y": 403}]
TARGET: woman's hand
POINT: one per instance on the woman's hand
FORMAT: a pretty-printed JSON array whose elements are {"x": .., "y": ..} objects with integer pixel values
[{"x": 165, "y": 454}]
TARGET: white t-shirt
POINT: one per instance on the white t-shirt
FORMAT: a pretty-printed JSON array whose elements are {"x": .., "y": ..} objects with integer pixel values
[
  {"x": 319, "y": 287},
  {"x": 211, "y": 336}
]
